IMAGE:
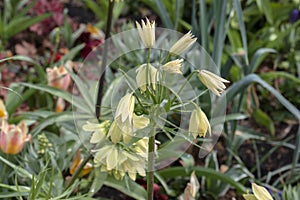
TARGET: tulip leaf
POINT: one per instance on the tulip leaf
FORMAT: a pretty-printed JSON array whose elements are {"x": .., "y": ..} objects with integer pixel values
[{"x": 264, "y": 120}]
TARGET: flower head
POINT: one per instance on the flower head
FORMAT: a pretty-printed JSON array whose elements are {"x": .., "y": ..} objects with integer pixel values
[
  {"x": 173, "y": 66},
  {"x": 119, "y": 161},
  {"x": 147, "y": 33},
  {"x": 146, "y": 75},
  {"x": 199, "y": 124},
  {"x": 13, "y": 138},
  {"x": 183, "y": 44},
  {"x": 212, "y": 81},
  {"x": 58, "y": 77}
]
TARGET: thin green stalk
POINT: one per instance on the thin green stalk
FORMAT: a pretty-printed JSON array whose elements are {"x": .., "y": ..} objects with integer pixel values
[
  {"x": 187, "y": 80},
  {"x": 150, "y": 173},
  {"x": 104, "y": 58}
]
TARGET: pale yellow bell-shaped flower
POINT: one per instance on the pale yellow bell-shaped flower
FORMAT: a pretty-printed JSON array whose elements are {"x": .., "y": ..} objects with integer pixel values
[
  {"x": 199, "y": 124},
  {"x": 3, "y": 112},
  {"x": 259, "y": 193},
  {"x": 183, "y": 44},
  {"x": 125, "y": 108},
  {"x": 146, "y": 72},
  {"x": 140, "y": 122},
  {"x": 147, "y": 33},
  {"x": 115, "y": 132},
  {"x": 173, "y": 66},
  {"x": 99, "y": 130},
  {"x": 212, "y": 81}
]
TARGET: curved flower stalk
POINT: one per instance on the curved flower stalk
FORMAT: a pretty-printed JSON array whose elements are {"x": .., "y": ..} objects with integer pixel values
[
  {"x": 13, "y": 137},
  {"x": 147, "y": 33}
]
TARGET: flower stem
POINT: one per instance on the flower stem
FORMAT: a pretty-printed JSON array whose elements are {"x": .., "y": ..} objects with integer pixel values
[
  {"x": 104, "y": 59},
  {"x": 150, "y": 173},
  {"x": 180, "y": 90}
]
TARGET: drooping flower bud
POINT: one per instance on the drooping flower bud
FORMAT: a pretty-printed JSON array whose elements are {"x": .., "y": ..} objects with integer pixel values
[{"x": 212, "y": 81}]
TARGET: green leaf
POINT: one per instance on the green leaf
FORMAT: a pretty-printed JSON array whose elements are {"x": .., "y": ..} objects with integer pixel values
[
  {"x": 239, "y": 12},
  {"x": 175, "y": 172},
  {"x": 266, "y": 8},
  {"x": 164, "y": 15},
  {"x": 98, "y": 181},
  {"x": 83, "y": 89},
  {"x": 19, "y": 170},
  {"x": 264, "y": 120},
  {"x": 241, "y": 85},
  {"x": 72, "y": 53},
  {"x": 220, "y": 32},
  {"x": 75, "y": 101},
  {"x": 128, "y": 187},
  {"x": 38, "y": 67},
  {"x": 258, "y": 57},
  {"x": 20, "y": 24},
  {"x": 56, "y": 118}
]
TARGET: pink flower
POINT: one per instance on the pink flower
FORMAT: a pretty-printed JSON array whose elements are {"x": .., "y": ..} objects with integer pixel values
[
  {"x": 58, "y": 77},
  {"x": 13, "y": 138}
]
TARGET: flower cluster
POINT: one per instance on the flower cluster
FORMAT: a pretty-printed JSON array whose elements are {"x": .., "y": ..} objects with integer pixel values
[
  {"x": 121, "y": 147},
  {"x": 114, "y": 156},
  {"x": 12, "y": 137}
]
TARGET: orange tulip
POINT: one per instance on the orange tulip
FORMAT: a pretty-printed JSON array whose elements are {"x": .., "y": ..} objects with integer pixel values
[
  {"x": 76, "y": 162},
  {"x": 13, "y": 138}
]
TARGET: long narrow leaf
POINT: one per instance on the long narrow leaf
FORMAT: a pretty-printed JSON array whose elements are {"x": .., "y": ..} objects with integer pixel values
[
  {"x": 18, "y": 169},
  {"x": 239, "y": 12},
  {"x": 164, "y": 15},
  {"x": 173, "y": 172},
  {"x": 60, "y": 93},
  {"x": 130, "y": 188}
]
